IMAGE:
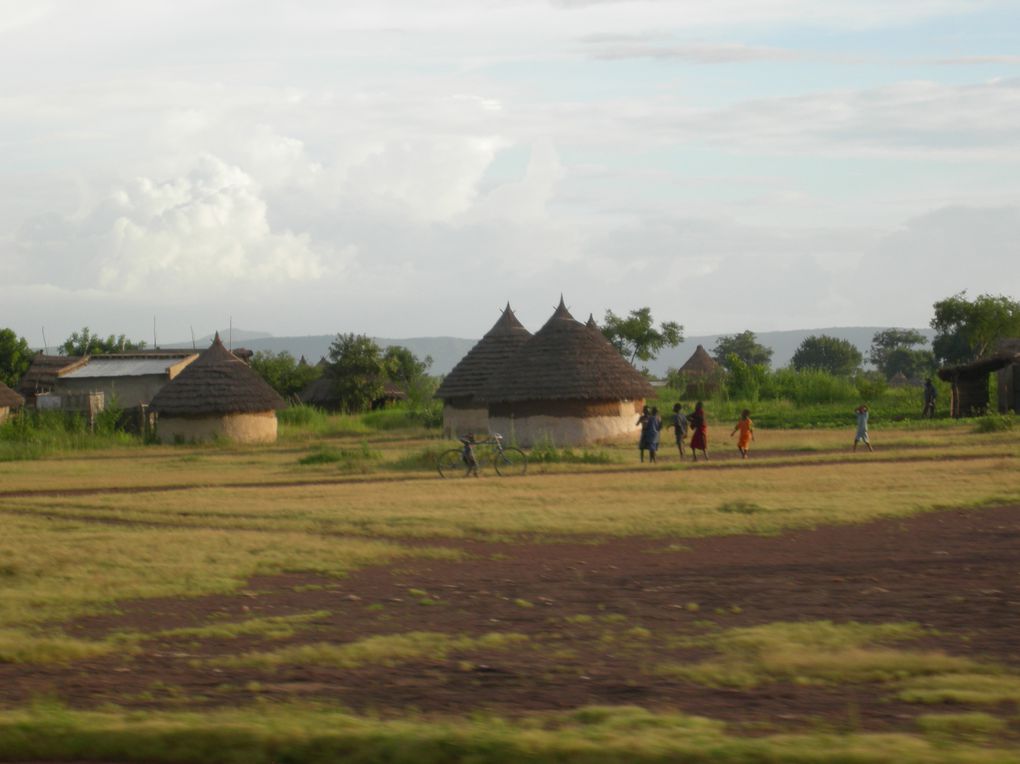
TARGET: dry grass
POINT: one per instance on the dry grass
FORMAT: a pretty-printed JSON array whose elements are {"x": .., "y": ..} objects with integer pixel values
[{"x": 384, "y": 650}]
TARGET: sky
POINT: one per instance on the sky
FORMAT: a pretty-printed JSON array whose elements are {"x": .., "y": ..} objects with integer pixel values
[{"x": 405, "y": 168}]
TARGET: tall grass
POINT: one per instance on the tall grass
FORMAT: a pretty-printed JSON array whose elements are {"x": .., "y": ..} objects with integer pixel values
[{"x": 34, "y": 434}]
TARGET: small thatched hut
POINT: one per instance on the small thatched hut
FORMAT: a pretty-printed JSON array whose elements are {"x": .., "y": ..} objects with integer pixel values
[
  {"x": 568, "y": 384},
  {"x": 703, "y": 373},
  {"x": 1009, "y": 377},
  {"x": 43, "y": 373},
  {"x": 217, "y": 395},
  {"x": 9, "y": 401},
  {"x": 970, "y": 381},
  {"x": 898, "y": 380},
  {"x": 462, "y": 412}
]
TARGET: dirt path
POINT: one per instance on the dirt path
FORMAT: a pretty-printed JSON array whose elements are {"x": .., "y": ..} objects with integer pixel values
[{"x": 953, "y": 571}]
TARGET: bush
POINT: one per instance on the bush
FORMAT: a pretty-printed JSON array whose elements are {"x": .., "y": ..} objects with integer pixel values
[
  {"x": 995, "y": 422},
  {"x": 545, "y": 452}
]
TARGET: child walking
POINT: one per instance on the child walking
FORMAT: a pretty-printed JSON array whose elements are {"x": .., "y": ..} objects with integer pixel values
[
  {"x": 679, "y": 428},
  {"x": 746, "y": 429},
  {"x": 862, "y": 427}
]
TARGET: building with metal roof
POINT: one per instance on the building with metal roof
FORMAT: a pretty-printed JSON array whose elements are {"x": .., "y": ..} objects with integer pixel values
[{"x": 129, "y": 379}]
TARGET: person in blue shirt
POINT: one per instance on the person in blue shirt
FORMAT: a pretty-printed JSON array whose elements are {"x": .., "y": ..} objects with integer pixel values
[{"x": 679, "y": 427}]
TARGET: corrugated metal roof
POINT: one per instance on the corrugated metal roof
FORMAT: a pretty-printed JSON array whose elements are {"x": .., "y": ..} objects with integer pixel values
[{"x": 122, "y": 367}]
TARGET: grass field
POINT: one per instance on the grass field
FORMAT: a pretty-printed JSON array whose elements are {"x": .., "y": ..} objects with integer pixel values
[{"x": 220, "y": 603}]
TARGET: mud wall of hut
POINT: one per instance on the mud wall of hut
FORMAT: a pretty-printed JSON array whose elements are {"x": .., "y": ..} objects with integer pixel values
[
  {"x": 460, "y": 420},
  {"x": 242, "y": 428},
  {"x": 563, "y": 423},
  {"x": 5, "y": 411},
  {"x": 1009, "y": 388}
]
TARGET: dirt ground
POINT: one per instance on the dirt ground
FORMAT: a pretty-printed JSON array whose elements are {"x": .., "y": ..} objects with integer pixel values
[{"x": 953, "y": 571}]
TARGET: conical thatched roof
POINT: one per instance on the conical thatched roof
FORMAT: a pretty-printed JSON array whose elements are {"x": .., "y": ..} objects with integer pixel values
[
  {"x": 566, "y": 360},
  {"x": 217, "y": 382},
  {"x": 9, "y": 399},
  {"x": 486, "y": 358},
  {"x": 899, "y": 379},
  {"x": 700, "y": 363},
  {"x": 591, "y": 324}
]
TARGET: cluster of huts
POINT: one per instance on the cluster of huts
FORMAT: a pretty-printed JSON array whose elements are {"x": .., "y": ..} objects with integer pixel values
[
  {"x": 565, "y": 383},
  {"x": 196, "y": 396},
  {"x": 969, "y": 381}
]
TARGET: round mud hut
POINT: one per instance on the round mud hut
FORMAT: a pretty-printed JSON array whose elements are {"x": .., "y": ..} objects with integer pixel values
[
  {"x": 462, "y": 411},
  {"x": 217, "y": 396},
  {"x": 703, "y": 374},
  {"x": 566, "y": 384},
  {"x": 9, "y": 401}
]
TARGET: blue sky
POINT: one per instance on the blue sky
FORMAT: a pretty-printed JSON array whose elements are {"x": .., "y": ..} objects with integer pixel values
[{"x": 405, "y": 168}]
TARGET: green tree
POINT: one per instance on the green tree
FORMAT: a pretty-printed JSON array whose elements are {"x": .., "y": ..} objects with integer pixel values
[
  {"x": 404, "y": 367},
  {"x": 829, "y": 354},
  {"x": 636, "y": 336},
  {"x": 357, "y": 371},
  {"x": 87, "y": 343},
  {"x": 15, "y": 357},
  {"x": 282, "y": 372},
  {"x": 744, "y": 381},
  {"x": 744, "y": 346},
  {"x": 965, "y": 330},
  {"x": 895, "y": 351}
]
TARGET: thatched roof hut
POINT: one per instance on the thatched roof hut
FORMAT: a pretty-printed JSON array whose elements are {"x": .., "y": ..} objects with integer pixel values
[
  {"x": 703, "y": 372},
  {"x": 43, "y": 373},
  {"x": 567, "y": 383},
  {"x": 970, "y": 381},
  {"x": 322, "y": 394},
  {"x": 8, "y": 400},
  {"x": 458, "y": 390},
  {"x": 899, "y": 379},
  {"x": 217, "y": 395}
]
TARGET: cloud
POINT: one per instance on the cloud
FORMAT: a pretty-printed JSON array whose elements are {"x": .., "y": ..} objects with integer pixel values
[
  {"x": 693, "y": 52},
  {"x": 977, "y": 60},
  {"x": 205, "y": 231}
]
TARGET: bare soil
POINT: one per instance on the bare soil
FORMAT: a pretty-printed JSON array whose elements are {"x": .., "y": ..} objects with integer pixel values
[{"x": 955, "y": 572}]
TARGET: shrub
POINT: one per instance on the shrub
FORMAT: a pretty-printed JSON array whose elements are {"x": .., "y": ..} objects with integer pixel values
[{"x": 996, "y": 422}]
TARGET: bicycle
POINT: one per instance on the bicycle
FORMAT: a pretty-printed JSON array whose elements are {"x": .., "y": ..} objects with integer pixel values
[{"x": 508, "y": 461}]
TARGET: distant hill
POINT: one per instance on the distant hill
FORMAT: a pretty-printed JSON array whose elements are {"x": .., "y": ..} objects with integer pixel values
[
  {"x": 783, "y": 344},
  {"x": 447, "y": 351}
]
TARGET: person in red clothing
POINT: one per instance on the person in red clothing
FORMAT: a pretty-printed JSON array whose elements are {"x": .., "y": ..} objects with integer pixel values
[{"x": 699, "y": 426}]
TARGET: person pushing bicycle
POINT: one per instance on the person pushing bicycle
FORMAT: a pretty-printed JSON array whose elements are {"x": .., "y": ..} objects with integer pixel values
[{"x": 468, "y": 453}]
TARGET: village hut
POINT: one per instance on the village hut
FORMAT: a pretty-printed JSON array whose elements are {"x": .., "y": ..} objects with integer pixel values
[
  {"x": 42, "y": 375},
  {"x": 130, "y": 379},
  {"x": 217, "y": 396},
  {"x": 970, "y": 384},
  {"x": 899, "y": 380},
  {"x": 462, "y": 411},
  {"x": 9, "y": 401},
  {"x": 1008, "y": 382},
  {"x": 322, "y": 394},
  {"x": 567, "y": 384},
  {"x": 703, "y": 374}
]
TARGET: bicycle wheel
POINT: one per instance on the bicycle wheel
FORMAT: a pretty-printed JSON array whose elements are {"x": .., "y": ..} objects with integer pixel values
[
  {"x": 511, "y": 462},
  {"x": 451, "y": 464}
]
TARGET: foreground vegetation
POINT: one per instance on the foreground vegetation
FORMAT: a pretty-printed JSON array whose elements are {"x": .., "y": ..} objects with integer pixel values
[{"x": 90, "y": 532}]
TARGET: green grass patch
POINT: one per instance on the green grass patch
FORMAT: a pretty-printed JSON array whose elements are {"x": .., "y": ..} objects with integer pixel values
[
  {"x": 384, "y": 650},
  {"x": 976, "y": 726},
  {"x": 813, "y": 652},
  {"x": 344, "y": 458},
  {"x": 272, "y": 627},
  {"x": 970, "y": 689},
  {"x": 18, "y": 646},
  {"x": 267, "y": 733}
]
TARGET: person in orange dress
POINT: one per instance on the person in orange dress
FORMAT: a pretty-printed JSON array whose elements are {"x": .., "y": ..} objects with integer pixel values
[{"x": 746, "y": 429}]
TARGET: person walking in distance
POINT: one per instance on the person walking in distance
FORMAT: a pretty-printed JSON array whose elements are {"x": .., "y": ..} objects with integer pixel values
[
  {"x": 679, "y": 428},
  {"x": 654, "y": 430},
  {"x": 642, "y": 422},
  {"x": 699, "y": 425},
  {"x": 746, "y": 429},
  {"x": 862, "y": 427},
  {"x": 930, "y": 394}
]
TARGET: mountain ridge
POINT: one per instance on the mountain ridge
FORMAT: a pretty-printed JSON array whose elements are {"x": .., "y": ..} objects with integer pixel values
[{"x": 447, "y": 351}]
